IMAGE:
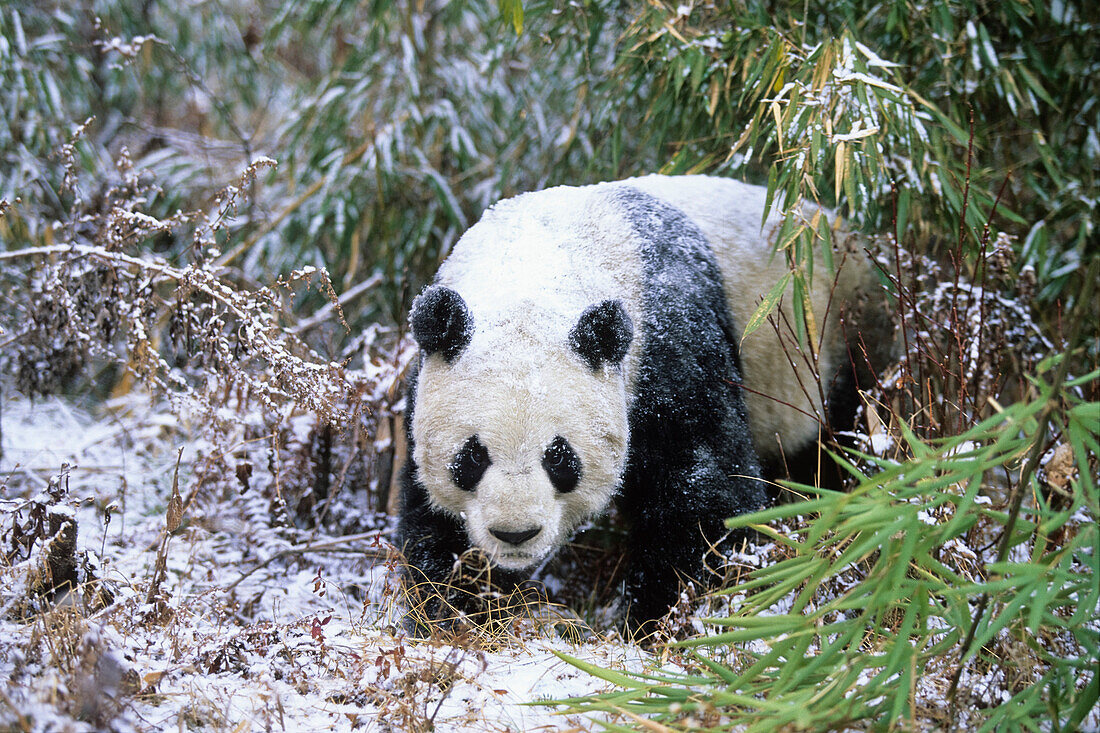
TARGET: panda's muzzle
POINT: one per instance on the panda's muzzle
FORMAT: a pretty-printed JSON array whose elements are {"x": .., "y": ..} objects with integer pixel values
[{"x": 515, "y": 538}]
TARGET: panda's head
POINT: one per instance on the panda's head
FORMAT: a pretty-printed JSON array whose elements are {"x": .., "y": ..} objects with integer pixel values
[{"x": 520, "y": 422}]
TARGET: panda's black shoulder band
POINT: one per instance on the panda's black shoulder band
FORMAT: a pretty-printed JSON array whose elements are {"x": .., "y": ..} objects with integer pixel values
[
  {"x": 602, "y": 334},
  {"x": 441, "y": 322}
]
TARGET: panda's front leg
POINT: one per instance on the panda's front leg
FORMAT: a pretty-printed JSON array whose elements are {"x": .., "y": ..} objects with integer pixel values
[
  {"x": 432, "y": 542},
  {"x": 430, "y": 539},
  {"x": 679, "y": 531}
]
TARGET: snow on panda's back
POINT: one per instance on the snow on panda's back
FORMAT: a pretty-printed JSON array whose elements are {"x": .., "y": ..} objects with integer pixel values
[{"x": 783, "y": 395}]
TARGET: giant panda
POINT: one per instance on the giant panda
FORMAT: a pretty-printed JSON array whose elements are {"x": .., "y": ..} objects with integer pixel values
[{"x": 582, "y": 345}]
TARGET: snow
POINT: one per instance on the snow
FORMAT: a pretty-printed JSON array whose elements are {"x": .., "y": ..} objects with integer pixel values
[
  {"x": 873, "y": 59},
  {"x": 251, "y": 641},
  {"x": 258, "y": 637},
  {"x": 881, "y": 442},
  {"x": 845, "y": 75},
  {"x": 857, "y": 132}
]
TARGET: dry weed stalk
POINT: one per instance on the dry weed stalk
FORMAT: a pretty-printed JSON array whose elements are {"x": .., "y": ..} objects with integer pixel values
[
  {"x": 157, "y": 604},
  {"x": 278, "y": 425},
  {"x": 970, "y": 339},
  {"x": 41, "y": 556},
  {"x": 95, "y": 296},
  {"x": 97, "y": 292}
]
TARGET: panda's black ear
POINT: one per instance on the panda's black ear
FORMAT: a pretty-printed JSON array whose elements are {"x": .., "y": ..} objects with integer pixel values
[
  {"x": 602, "y": 334},
  {"x": 441, "y": 322}
]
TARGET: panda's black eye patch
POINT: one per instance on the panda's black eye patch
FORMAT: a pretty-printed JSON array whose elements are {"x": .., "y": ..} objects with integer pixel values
[
  {"x": 469, "y": 464},
  {"x": 562, "y": 465}
]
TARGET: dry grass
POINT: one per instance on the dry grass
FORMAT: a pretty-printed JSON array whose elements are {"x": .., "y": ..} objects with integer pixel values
[{"x": 226, "y": 613}]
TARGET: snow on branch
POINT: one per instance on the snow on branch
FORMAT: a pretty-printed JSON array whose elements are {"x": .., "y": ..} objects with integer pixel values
[{"x": 96, "y": 293}]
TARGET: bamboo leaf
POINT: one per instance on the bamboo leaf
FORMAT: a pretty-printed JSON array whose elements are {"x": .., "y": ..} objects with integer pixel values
[
  {"x": 607, "y": 675},
  {"x": 766, "y": 307},
  {"x": 840, "y": 163}
]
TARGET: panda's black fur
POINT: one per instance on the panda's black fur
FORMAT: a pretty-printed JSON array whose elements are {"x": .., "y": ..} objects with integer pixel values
[
  {"x": 442, "y": 323},
  {"x": 691, "y": 461}
]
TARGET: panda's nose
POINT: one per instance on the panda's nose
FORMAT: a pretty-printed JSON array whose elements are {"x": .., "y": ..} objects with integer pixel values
[{"x": 515, "y": 538}]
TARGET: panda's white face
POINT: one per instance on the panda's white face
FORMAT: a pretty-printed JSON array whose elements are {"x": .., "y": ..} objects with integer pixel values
[
  {"x": 519, "y": 421},
  {"x": 523, "y": 446}
]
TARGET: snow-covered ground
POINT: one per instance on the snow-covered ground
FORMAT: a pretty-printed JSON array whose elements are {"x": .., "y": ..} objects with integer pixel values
[
  {"x": 247, "y": 632},
  {"x": 246, "y": 616}
]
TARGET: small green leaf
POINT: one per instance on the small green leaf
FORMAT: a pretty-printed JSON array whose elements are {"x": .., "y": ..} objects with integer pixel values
[
  {"x": 903, "y": 212},
  {"x": 767, "y": 305},
  {"x": 512, "y": 10},
  {"x": 608, "y": 675},
  {"x": 1035, "y": 85},
  {"x": 517, "y": 16}
]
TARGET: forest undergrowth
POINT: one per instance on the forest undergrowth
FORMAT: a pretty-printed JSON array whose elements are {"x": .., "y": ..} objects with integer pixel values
[
  {"x": 200, "y": 427},
  {"x": 208, "y": 547},
  {"x": 953, "y": 584}
]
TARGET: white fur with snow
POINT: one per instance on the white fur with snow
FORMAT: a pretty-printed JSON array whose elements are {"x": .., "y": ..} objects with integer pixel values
[{"x": 527, "y": 271}]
